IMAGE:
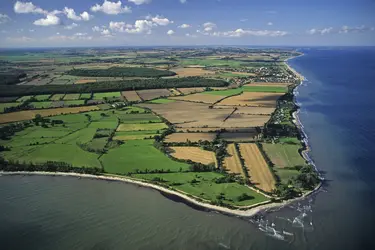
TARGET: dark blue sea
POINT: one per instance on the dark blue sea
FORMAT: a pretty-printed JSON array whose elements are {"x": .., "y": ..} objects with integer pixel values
[{"x": 338, "y": 113}]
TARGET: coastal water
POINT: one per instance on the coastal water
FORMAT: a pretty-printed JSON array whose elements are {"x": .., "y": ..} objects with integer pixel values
[{"x": 337, "y": 111}]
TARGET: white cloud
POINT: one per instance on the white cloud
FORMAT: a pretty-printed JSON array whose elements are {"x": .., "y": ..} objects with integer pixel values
[
  {"x": 270, "y": 23},
  {"x": 71, "y": 14},
  {"x": 170, "y": 32},
  {"x": 119, "y": 26},
  {"x": 244, "y": 20},
  {"x": 28, "y": 7},
  {"x": 48, "y": 21},
  {"x": 139, "y": 2},
  {"x": 320, "y": 31},
  {"x": 358, "y": 29},
  {"x": 70, "y": 27},
  {"x": 141, "y": 26},
  {"x": 111, "y": 8},
  {"x": 159, "y": 20},
  {"x": 96, "y": 29},
  {"x": 75, "y": 37},
  {"x": 182, "y": 1},
  {"x": 184, "y": 26},
  {"x": 242, "y": 32},
  {"x": 4, "y": 18},
  {"x": 209, "y": 26},
  {"x": 31, "y": 30},
  {"x": 23, "y": 39},
  {"x": 105, "y": 32}
]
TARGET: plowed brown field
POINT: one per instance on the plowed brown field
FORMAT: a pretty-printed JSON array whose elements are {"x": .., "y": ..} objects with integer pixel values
[
  {"x": 259, "y": 172},
  {"x": 150, "y": 94},
  {"x": 131, "y": 96},
  {"x": 187, "y": 91},
  {"x": 200, "y": 97},
  {"x": 30, "y": 114},
  {"x": 193, "y": 137},
  {"x": 253, "y": 99},
  {"x": 232, "y": 162},
  {"x": 194, "y": 154}
]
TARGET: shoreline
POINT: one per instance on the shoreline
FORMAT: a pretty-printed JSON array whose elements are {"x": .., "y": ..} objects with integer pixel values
[
  {"x": 247, "y": 211},
  {"x": 251, "y": 211}
]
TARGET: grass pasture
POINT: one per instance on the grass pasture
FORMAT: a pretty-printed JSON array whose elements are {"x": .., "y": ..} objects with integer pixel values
[
  {"x": 74, "y": 103},
  {"x": 41, "y": 105},
  {"x": 284, "y": 155},
  {"x": 70, "y": 97},
  {"x": 266, "y": 89},
  {"x": 57, "y": 97},
  {"x": 228, "y": 92},
  {"x": 139, "y": 118},
  {"x": 203, "y": 185},
  {"x": 24, "y": 98},
  {"x": 3, "y": 106},
  {"x": 100, "y": 96},
  {"x": 136, "y": 135},
  {"x": 41, "y": 98},
  {"x": 138, "y": 155},
  {"x": 85, "y": 96}
]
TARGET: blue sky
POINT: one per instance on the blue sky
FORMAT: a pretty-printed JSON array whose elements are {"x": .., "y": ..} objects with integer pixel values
[{"x": 47, "y": 23}]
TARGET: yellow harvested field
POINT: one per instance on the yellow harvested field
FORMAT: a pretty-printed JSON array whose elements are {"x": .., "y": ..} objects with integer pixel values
[
  {"x": 141, "y": 126},
  {"x": 258, "y": 170},
  {"x": 238, "y": 120},
  {"x": 184, "y": 72},
  {"x": 175, "y": 92},
  {"x": 254, "y": 110},
  {"x": 150, "y": 94},
  {"x": 194, "y": 154},
  {"x": 270, "y": 84},
  {"x": 202, "y": 98},
  {"x": 253, "y": 99},
  {"x": 187, "y": 91},
  {"x": 131, "y": 96},
  {"x": 239, "y": 136},
  {"x": 232, "y": 162},
  {"x": 193, "y": 137},
  {"x": 30, "y": 114},
  {"x": 83, "y": 81}
]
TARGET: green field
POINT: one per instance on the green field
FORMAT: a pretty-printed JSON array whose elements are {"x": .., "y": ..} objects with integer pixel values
[
  {"x": 99, "y": 96},
  {"x": 271, "y": 89},
  {"x": 139, "y": 127},
  {"x": 136, "y": 135},
  {"x": 68, "y": 97},
  {"x": 24, "y": 98},
  {"x": 104, "y": 125},
  {"x": 161, "y": 101},
  {"x": 57, "y": 97},
  {"x": 42, "y": 97},
  {"x": 285, "y": 157},
  {"x": 7, "y": 105},
  {"x": 41, "y": 105},
  {"x": 85, "y": 96},
  {"x": 206, "y": 188},
  {"x": 75, "y": 103},
  {"x": 71, "y": 154},
  {"x": 133, "y": 109},
  {"x": 228, "y": 92},
  {"x": 141, "y": 155}
]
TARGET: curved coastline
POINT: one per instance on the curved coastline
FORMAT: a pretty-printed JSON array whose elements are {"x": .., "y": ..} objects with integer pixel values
[{"x": 193, "y": 201}]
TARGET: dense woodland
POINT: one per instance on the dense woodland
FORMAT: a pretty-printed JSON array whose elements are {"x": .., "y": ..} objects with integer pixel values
[
  {"x": 121, "y": 72},
  {"x": 11, "y": 78},
  {"x": 138, "y": 84}
]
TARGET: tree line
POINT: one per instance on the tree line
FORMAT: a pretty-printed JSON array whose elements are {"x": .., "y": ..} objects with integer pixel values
[
  {"x": 121, "y": 72},
  {"x": 108, "y": 86}
]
